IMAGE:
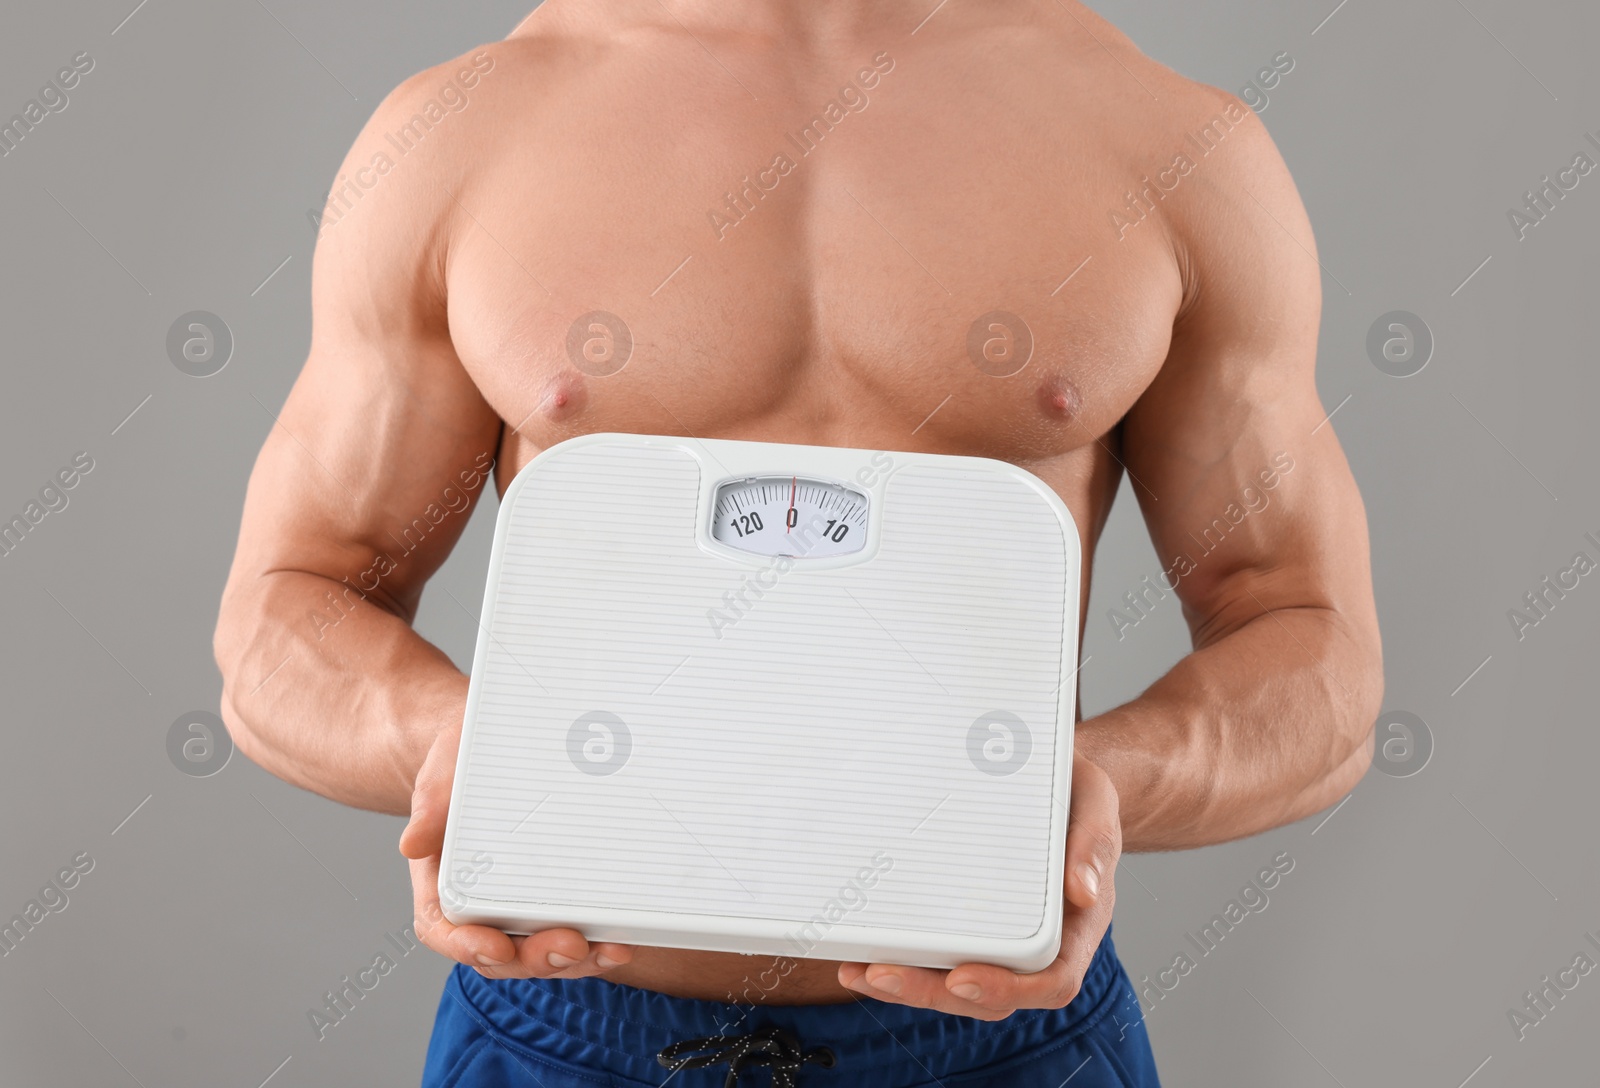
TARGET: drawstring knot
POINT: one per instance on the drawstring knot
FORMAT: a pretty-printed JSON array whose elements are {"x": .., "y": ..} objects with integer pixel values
[{"x": 768, "y": 1047}]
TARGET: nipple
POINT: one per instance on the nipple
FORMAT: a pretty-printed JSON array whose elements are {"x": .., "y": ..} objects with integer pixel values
[
  {"x": 562, "y": 398},
  {"x": 1060, "y": 399}
]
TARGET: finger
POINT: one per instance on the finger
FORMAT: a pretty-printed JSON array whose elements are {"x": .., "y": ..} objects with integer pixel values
[
  {"x": 430, "y": 797},
  {"x": 1052, "y": 988},
  {"x": 609, "y": 954},
  {"x": 552, "y": 953},
  {"x": 564, "y": 953},
  {"x": 1094, "y": 845},
  {"x": 1056, "y": 985},
  {"x": 920, "y": 987},
  {"x": 1094, "y": 835},
  {"x": 990, "y": 987},
  {"x": 477, "y": 946}
]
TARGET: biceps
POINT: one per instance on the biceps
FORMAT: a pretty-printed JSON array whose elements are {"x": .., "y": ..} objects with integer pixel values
[
  {"x": 370, "y": 469},
  {"x": 1269, "y": 518},
  {"x": 1247, "y": 494}
]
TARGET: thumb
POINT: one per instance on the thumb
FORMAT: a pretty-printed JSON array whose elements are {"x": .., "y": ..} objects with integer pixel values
[
  {"x": 1094, "y": 835},
  {"x": 423, "y": 836}
]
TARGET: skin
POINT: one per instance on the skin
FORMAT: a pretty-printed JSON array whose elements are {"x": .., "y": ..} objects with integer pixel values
[{"x": 835, "y": 312}]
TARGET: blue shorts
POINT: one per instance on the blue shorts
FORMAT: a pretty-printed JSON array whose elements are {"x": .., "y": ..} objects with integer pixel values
[{"x": 580, "y": 1033}]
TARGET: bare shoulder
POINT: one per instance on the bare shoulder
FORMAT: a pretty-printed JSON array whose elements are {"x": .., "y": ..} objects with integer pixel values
[
  {"x": 419, "y": 126},
  {"x": 394, "y": 201},
  {"x": 1232, "y": 169},
  {"x": 1156, "y": 107},
  {"x": 1199, "y": 162}
]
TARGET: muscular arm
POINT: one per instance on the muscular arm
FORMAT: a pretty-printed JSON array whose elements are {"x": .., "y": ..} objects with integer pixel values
[
  {"x": 359, "y": 493},
  {"x": 1270, "y": 718}
]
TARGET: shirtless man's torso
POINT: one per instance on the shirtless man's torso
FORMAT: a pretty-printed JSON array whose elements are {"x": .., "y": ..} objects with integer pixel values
[{"x": 798, "y": 214}]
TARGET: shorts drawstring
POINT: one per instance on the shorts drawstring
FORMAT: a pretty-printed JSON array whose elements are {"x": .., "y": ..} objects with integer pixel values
[{"x": 766, "y": 1047}]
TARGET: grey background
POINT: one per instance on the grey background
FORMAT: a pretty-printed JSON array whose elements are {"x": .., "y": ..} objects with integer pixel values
[{"x": 1416, "y": 914}]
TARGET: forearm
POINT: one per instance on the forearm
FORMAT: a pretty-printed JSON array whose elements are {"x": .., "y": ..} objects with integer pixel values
[
  {"x": 330, "y": 691},
  {"x": 1260, "y": 728}
]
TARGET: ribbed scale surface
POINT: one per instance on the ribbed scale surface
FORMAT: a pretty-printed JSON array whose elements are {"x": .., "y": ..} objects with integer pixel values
[{"x": 826, "y": 723}]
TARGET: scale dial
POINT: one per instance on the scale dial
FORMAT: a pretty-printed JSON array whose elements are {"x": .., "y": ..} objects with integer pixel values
[{"x": 798, "y": 516}]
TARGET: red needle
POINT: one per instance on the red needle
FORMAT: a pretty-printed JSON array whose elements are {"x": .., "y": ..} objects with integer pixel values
[{"x": 789, "y": 521}]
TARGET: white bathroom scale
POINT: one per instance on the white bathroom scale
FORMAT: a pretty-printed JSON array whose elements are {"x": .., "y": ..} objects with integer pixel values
[{"x": 790, "y": 700}]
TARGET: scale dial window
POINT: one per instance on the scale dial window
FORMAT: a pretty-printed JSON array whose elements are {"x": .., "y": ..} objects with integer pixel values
[{"x": 797, "y": 516}]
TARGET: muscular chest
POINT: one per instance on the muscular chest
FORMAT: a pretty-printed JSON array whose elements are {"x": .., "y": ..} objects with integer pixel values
[{"x": 895, "y": 269}]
